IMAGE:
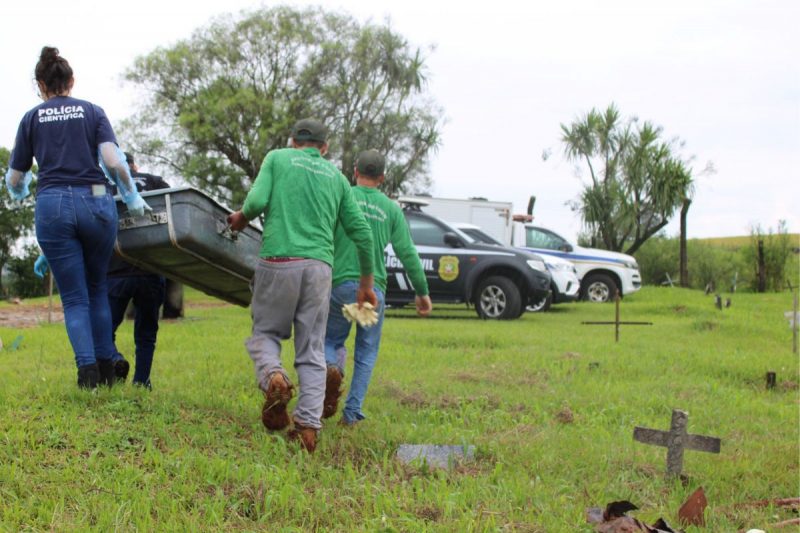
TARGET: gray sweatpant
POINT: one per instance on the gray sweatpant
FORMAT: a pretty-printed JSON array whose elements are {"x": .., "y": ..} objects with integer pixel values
[{"x": 285, "y": 294}]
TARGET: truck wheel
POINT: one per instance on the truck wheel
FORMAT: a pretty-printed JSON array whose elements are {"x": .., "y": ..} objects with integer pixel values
[
  {"x": 542, "y": 305},
  {"x": 599, "y": 288},
  {"x": 498, "y": 298}
]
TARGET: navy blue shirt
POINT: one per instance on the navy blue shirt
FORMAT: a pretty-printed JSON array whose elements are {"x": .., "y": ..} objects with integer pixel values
[{"x": 62, "y": 134}]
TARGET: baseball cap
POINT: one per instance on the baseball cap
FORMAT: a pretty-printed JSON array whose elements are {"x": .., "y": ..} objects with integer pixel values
[
  {"x": 309, "y": 129},
  {"x": 370, "y": 163},
  {"x": 128, "y": 158}
]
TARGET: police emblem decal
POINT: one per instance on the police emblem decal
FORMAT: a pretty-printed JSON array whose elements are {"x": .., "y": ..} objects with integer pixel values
[{"x": 448, "y": 267}]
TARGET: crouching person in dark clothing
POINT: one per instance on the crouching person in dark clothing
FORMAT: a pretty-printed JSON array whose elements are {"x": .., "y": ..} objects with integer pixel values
[{"x": 128, "y": 283}]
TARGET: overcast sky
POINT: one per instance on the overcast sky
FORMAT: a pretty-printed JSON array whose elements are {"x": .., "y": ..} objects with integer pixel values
[{"x": 723, "y": 76}]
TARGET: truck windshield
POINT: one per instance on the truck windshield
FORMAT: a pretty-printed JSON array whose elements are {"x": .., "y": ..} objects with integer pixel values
[
  {"x": 428, "y": 231},
  {"x": 542, "y": 238},
  {"x": 481, "y": 236}
]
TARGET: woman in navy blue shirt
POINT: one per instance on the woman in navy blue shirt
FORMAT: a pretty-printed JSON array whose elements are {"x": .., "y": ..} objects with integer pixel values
[{"x": 76, "y": 216}]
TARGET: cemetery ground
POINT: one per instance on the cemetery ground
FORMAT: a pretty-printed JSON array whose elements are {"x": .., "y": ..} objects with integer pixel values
[{"x": 549, "y": 404}]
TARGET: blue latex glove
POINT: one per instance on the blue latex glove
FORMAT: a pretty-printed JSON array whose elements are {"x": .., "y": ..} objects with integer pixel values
[
  {"x": 40, "y": 266},
  {"x": 20, "y": 190},
  {"x": 137, "y": 206}
]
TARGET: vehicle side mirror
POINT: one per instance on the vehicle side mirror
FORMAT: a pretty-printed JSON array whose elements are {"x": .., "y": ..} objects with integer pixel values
[
  {"x": 451, "y": 239},
  {"x": 566, "y": 247}
]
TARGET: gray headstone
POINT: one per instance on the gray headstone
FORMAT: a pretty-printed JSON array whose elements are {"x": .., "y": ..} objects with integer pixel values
[{"x": 437, "y": 456}]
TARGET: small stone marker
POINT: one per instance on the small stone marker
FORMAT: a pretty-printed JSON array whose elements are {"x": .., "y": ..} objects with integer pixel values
[
  {"x": 434, "y": 455},
  {"x": 676, "y": 440},
  {"x": 772, "y": 380},
  {"x": 791, "y": 316}
]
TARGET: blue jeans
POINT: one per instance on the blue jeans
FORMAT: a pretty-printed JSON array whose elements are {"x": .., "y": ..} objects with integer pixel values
[
  {"x": 76, "y": 231},
  {"x": 147, "y": 293},
  {"x": 366, "y": 350}
]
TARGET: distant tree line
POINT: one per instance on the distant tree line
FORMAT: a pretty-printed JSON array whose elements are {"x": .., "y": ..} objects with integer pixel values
[{"x": 724, "y": 266}]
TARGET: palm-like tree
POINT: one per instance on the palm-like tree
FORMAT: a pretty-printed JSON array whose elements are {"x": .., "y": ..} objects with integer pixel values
[{"x": 636, "y": 179}]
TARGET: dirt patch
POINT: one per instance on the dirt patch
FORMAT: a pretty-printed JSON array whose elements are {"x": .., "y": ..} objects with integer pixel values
[
  {"x": 413, "y": 399},
  {"x": 565, "y": 415},
  {"x": 429, "y": 513},
  {"x": 539, "y": 377},
  {"x": 707, "y": 325},
  {"x": 20, "y": 314},
  {"x": 416, "y": 399},
  {"x": 24, "y": 315},
  {"x": 467, "y": 377},
  {"x": 207, "y": 305},
  {"x": 486, "y": 401}
]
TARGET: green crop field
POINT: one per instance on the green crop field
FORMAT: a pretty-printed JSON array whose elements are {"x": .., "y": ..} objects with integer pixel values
[
  {"x": 744, "y": 241},
  {"x": 550, "y": 405}
]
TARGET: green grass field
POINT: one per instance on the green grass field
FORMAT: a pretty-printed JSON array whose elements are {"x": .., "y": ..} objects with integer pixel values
[{"x": 549, "y": 403}]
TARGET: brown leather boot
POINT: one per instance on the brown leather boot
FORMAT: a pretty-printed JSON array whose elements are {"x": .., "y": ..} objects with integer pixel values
[
  {"x": 307, "y": 437},
  {"x": 333, "y": 391},
  {"x": 274, "y": 415}
]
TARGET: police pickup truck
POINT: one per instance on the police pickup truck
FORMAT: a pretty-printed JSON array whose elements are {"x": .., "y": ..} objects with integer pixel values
[
  {"x": 603, "y": 273},
  {"x": 500, "y": 282}
]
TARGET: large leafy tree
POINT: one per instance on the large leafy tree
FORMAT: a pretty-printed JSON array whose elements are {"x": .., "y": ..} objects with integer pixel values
[
  {"x": 218, "y": 101},
  {"x": 637, "y": 180},
  {"x": 16, "y": 218}
]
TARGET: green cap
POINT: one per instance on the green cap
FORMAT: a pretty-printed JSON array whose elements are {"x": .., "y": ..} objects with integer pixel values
[
  {"x": 309, "y": 129},
  {"x": 370, "y": 163}
]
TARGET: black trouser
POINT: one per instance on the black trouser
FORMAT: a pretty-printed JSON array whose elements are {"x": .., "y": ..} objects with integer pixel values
[{"x": 147, "y": 293}]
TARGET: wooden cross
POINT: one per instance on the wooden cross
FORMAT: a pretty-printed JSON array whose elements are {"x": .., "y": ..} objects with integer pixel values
[
  {"x": 792, "y": 316},
  {"x": 676, "y": 440},
  {"x": 616, "y": 321}
]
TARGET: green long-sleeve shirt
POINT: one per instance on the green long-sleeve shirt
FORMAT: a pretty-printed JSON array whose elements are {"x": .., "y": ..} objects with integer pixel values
[
  {"x": 304, "y": 198},
  {"x": 388, "y": 226}
]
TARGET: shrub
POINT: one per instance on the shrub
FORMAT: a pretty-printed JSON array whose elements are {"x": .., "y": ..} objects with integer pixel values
[
  {"x": 780, "y": 264},
  {"x": 722, "y": 267},
  {"x": 23, "y": 282},
  {"x": 707, "y": 263},
  {"x": 657, "y": 257}
]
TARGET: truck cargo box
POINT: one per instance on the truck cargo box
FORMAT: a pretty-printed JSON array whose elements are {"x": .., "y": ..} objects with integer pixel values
[{"x": 186, "y": 238}]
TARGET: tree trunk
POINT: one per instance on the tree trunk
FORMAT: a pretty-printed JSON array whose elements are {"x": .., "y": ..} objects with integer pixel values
[
  {"x": 173, "y": 300},
  {"x": 684, "y": 266},
  {"x": 762, "y": 268}
]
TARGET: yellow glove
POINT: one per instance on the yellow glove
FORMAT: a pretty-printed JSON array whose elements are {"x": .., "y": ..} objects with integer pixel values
[{"x": 366, "y": 316}]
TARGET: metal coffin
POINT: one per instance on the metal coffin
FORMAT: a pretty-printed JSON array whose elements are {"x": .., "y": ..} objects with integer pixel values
[{"x": 186, "y": 238}]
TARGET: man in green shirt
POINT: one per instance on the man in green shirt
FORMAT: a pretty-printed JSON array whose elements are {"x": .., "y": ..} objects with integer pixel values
[
  {"x": 388, "y": 226},
  {"x": 303, "y": 198}
]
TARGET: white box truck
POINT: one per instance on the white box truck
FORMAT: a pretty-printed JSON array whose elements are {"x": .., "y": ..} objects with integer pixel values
[
  {"x": 602, "y": 273},
  {"x": 495, "y": 218}
]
